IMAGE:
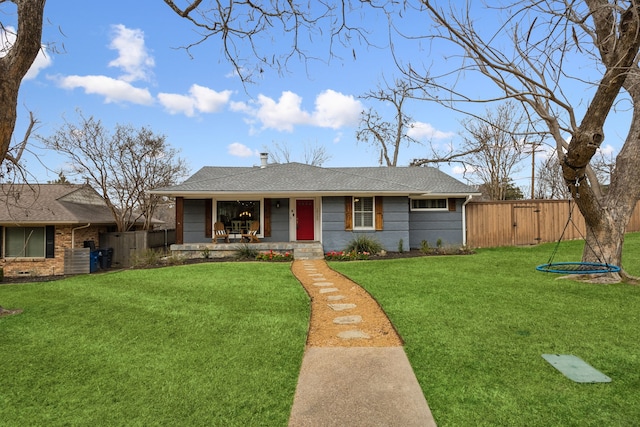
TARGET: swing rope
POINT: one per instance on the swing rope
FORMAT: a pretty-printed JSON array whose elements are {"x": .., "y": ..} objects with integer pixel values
[{"x": 599, "y": 267}]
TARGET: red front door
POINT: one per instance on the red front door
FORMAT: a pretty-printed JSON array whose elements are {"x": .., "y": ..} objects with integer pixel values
[{"x": 304, "y": 220}]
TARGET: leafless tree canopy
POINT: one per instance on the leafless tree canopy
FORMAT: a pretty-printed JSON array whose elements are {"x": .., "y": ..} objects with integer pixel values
[
  {"x": 123, "y": 165},
  {"x": 550, "y": 183},
  {"x": 388, "y": 135},
  {"x": 247, "y": 29},
  {"x": 313, "y": 154},
  {"x": 496, "y": 147}
]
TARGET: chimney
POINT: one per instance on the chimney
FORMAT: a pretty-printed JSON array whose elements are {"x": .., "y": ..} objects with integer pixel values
[{"x": 263, "y": 160}]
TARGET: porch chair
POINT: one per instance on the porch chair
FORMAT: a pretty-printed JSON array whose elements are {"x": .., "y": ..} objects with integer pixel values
[
  {"x": 251, "y": 235},
  {"x": 219, "y": 232}
]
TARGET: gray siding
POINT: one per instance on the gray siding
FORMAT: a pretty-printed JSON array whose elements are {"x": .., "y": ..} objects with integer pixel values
[
  {"x": 194, "y": 218},
  {"x": 396, "y": 224},
  {"x": 434, "y": 225},
  {"x": 279, "y": 221}
]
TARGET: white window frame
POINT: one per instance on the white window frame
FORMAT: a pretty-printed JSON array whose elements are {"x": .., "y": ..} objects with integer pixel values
[
  {"x": 445, "y": 208},
  {"x": 44, "y": 243},
  {"x": 357, "y": 226}
]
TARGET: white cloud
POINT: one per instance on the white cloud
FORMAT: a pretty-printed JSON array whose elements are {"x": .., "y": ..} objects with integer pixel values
[
  {"x": 240, "y": 150},
  {"x": 112, "y": 89},
  {"x": 175, "y": 103},
  {"x": 42, "y": 61},
  {"x": 332, "y": 110},
  {"x": 420, "y": 130},
  {"x": 607, "y": 150},
  {"x": 335, "y": 110},
  {"x": 200, "y": 99},
  {"x": 281, "y": 115},
  {"x": 133, "y": 57}
]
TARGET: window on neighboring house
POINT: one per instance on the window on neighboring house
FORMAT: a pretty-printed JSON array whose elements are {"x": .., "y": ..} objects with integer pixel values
[
  {"x": 363, "y": 213},
  {"x": 429, "y": 204},
  {"x": 27, "y": 242},
  {"x": 238, "y": 215}
]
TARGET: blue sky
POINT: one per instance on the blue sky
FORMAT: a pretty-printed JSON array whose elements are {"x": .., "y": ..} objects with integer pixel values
[{"x": 121, "y": 62}]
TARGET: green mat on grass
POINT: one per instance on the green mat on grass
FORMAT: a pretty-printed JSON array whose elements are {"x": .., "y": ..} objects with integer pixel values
[{"x": 576, "y": 369}]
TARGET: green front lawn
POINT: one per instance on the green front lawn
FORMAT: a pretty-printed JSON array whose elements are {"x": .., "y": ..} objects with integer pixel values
[
  {"x": 210, "y": 344},
  {"x": 475, "y": 328},
  {"x": 222, "y": 343}
]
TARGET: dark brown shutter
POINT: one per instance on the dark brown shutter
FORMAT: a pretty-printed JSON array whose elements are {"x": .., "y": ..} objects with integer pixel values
[
  {"x": 452, "y": 205},
  {"x": 50, "y": 244},
  {"x": 267, "y": 218},
  {"x": 179, "y": 220},
  {"x": 348, "y": 213},
  {"x": 208, "y": 218},
  {"x": 379, "y": 216}
]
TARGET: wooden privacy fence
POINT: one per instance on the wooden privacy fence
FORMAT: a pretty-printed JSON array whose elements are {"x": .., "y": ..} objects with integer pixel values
[
  {"x": 527, "y": 222},
  {"x": 127, "y": 244}
]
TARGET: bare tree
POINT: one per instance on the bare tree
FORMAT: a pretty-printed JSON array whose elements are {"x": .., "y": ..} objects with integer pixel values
[
  {"x": 123, "y": 165},
  {"x": 314, "y": 154},
  {"x": 15, "y": 60},
  {"x": 550, "y": 183},
  {"x": 388, "y": 135},
  {"x": 496, "y": 148},
  {"x": 530, "y": 57}
]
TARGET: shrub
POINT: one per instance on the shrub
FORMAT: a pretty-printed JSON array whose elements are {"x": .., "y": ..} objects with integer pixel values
[
  {"x": 274, "y": 256},
  {"x": 175, "y": 259},
  {"x": 246, "y": 251},
  {"x": 424, "y": 247},
  {"x": 146, "y": 258},
  {"x": 400, "y": 245},
  {"x": 364, "y": 243}
]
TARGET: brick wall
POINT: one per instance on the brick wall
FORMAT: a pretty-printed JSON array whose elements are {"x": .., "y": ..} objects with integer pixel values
[{"x": 19, "y": 267}]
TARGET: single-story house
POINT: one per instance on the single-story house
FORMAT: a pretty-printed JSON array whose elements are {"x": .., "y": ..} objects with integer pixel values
[
  {"x": 296, "y": 202},
  {"x": 42, "y": 224}
]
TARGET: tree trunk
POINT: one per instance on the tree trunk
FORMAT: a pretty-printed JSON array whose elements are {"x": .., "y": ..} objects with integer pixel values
[
  {"x": 607, "y": 217},
  {"x": 15, "y": 64}
]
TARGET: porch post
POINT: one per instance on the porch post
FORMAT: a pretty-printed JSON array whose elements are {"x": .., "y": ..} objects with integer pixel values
[{"x": 179, "y": 220}]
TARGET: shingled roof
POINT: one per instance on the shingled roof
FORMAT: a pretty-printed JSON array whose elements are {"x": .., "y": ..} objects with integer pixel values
[
  {"x": 300, "y": 178},
  {"x": 52, "y": 204}
]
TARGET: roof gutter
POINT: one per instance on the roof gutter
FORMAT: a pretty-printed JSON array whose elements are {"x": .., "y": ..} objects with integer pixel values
[
  {"x": 464, "y": 219},
  {"x": 73, "y": 234}
]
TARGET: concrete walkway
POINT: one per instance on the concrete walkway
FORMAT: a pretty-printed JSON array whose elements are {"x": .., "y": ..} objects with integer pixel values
[{"x": 356, "y": 386}]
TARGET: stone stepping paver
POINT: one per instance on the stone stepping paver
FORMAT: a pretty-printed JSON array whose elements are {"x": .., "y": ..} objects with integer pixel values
[
  {"x": 335, "y": 297},
  {"x": 315, "y": 274},
  {"x": 348, "y": 320},
  {"x": 353, "y": 334},
  {"x": 323, "y": 284},
  {"x": 318, "y": 279},
  {"x": 341, "y": 307},
  {"x": 327, "y": 290}
]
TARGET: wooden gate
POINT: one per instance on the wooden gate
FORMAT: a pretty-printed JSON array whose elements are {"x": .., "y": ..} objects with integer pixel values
[{"x": 526, "y": 224}]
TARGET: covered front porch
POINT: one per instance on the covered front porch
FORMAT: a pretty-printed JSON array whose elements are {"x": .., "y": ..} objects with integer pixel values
[{"x": 300, "y": 250}]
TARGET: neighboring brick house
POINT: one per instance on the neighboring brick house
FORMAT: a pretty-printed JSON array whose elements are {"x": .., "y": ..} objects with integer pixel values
[{"x": 40, "y": 223}]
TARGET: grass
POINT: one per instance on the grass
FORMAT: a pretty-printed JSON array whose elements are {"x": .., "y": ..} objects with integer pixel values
[
  {"x": 475, "y": 328},
  {"x": 207, "y": 344}
]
